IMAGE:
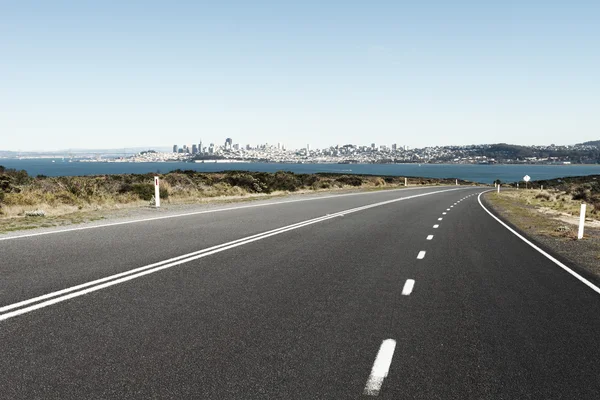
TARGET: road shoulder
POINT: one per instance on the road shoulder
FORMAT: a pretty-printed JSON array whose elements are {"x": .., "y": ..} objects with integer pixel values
[{"x": 551, "y": 234}]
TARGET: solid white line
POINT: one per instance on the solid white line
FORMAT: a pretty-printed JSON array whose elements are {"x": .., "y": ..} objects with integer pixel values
[
  {"x": 436, "y": 226},
  {"x": 408, "y": 287},
  {"x": 148, "y": 269},
  {"x": 429, "y": 237},
  {"x": 81, "y": 228},
  {"x": 548, "y": 256},
  {"x": 439, "y": 219},
  {"x": 185, "y": 256},
  {"x": 421, "y": 255},
  {"x": 381, "y": 367}
]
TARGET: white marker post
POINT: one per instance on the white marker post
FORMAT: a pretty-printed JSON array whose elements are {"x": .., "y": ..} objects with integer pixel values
[
  {"x": 495, "y": 184},
  {"x": 457, "y": 182},
  {"x": 581, "y": 222},
  {"x": 156, "y": 192},
  {"x": 405, "y": 182},
  {"x": 498, "y": 188}
]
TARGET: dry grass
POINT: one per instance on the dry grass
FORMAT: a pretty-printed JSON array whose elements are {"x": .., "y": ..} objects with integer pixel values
[
  {"x": 547, "y": 213},
  {"x": 521, "y": 212},
  {"x": 74, "y": 199},
  {"x": 547, "y": 201},
  {"x": 550, "y": 222}
]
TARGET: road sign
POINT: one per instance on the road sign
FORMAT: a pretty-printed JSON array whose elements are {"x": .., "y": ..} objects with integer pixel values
[{"x": 526, "y": 178}]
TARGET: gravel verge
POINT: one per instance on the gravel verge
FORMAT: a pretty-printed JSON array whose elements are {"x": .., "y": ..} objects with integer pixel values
[{"x": 554, "y": 235}]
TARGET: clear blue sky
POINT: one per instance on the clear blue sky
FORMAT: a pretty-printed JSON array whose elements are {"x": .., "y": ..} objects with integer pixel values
[{"x": 113, "y": 74}]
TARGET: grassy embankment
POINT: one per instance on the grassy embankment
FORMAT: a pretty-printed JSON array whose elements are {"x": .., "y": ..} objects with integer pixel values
[
  {"x": 551, "y": 215},
  {"x": 559, "y": 199},
  {"x": 74, "y": 199}
]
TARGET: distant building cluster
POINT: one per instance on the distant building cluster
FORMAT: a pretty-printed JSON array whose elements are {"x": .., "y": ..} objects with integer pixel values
[
  {"x": 228, "y": 146},
  {"x": 382, "y": 154},
  {"x": 228, "y": 151}
]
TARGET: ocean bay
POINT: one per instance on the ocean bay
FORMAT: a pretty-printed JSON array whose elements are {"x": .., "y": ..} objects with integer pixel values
[{"x": 471, "y": 172}]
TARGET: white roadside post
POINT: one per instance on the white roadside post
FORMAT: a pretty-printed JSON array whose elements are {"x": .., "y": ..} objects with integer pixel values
[
  {"x": 457, "y": 182},
  {"x": 495, "y": 184},
  {"x": 156, "y": 192},
  {"x": 581, "y": 222},
  {"x": 405, "y": 182},
  {"x": 498, "y": 188}
]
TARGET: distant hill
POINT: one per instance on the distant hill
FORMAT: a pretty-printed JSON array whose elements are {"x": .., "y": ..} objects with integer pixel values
[
  {"x": 592, "y": 143},
  {"x": 504, "y": 151}
]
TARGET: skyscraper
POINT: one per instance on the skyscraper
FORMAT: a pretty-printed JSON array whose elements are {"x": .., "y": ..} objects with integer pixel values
[
  {"x": 228, "y": 143},
  {"x": 175, "y": 148},
  {"x": 194, "y": 149}
]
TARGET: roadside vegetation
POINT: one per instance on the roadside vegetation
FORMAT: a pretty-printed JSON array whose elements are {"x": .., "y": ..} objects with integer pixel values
[
  {"x": 562, "y": 195},
  {"x": 551, "y": 215},
  {"x": 23, "y": 196}
]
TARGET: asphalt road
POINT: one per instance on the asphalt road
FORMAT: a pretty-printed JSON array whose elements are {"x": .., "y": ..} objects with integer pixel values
[{"x": 342, "y": 297}]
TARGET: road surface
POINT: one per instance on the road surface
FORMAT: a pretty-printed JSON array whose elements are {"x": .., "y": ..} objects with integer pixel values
[{"x": 409, "y": 294}]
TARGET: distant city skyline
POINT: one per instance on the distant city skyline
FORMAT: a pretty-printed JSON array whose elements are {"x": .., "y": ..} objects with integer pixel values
[
  {"x": 178, "y": 147},
  {"x": 417, "y": 73}
]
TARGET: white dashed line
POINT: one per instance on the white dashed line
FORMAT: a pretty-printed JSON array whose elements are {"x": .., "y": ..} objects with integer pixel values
[
  {"x": 380, "y": 369},
  {"x": 444, "y": 213},
  {"x": 225, "y": 210},
  {"x": 52, "y": 298},
  {"x": 408, "y": 287},
  {"x": 436, "y": 226},
  {"x": 421, "y": 255},
  {"x": 429, "y": 237},
  {"x": 439, "y": 219},
  {"x": 447, "y": 209}
]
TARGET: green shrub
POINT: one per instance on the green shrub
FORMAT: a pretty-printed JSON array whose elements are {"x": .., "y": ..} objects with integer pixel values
[
  {"x": 350, "y": 180},
  {"x": 543, "y": 196},
  {"x": 164, "y": 193},
  {"x": 248, "y": 182},
  {"x": 581, "y": 193},
  {"x": 5, "y": 184},
  {"x": 286, "y": 181},
  {"x": 144, "y": 191}
]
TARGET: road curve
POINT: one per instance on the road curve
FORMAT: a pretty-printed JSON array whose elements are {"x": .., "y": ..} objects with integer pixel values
[{"x": 398, "y": 294}]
